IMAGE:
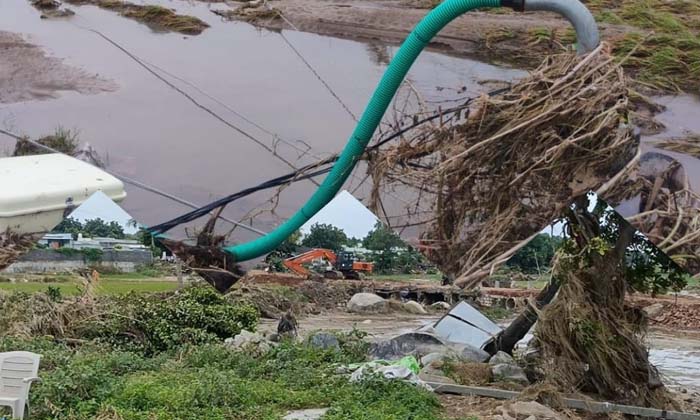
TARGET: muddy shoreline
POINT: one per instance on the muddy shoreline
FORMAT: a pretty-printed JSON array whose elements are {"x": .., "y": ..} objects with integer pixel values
[
  {"x": 504, "y": 38},
  {"x": 28, "y": 73}
]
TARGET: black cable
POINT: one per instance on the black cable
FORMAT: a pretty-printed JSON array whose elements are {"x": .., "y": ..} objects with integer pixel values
[{"x": 297, "y": 175}]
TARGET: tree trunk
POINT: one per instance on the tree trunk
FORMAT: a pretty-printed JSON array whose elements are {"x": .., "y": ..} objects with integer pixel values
[{"x": 517, "y": 329}]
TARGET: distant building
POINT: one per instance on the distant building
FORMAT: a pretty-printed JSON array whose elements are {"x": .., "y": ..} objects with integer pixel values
[
  {"x": 56, "y": 240},
  {"x": 65, "y": 240}
]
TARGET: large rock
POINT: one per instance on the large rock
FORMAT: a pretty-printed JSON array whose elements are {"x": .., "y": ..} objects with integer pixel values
[
  {"x": 441, "y": 306},
  {"x": 433, "y": 357},
  {"x": 414, "y": 307},
  {"x": 324, "y": 340},
  {"x": 248, "y": 341},
  {"x": 507, "y": 372},
  {"x": 500, "y": 358},
  {"x": 533, "y": 408},
  {"x": 653, "y": 310},
  {"x": 367, "y": 303},
  {"x": 472, "y": 354},
  {"x": 412, "y": 343}
]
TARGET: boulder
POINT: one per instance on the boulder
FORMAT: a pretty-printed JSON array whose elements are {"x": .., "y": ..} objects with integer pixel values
[
  {"x": 500, "y": 358},
  {"x": 412, "y": 343},
  {"x": 248, "y": 341},
  {"x": 533, "y": 408},
  {"x": 507, "y": 372},
  {"x": 433, "y": 357},
  {"x": 442, "y": 306},
  {"x": 324, "y": 340},
  {"x": 653, "y": 310},
  {"x": 472, "y": 354},
  {"x": 367, "y": 303},
  {"x": 414, "y": 307}
]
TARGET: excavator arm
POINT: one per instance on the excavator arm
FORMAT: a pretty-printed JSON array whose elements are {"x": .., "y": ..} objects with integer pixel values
[{"x": 295, "y": 263}]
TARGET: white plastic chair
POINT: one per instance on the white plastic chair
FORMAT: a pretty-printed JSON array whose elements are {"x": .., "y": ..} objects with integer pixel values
[{"x": 18, "y": 370}]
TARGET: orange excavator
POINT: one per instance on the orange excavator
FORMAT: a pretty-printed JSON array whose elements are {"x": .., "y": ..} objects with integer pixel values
[{"x": 326, "y": 262}]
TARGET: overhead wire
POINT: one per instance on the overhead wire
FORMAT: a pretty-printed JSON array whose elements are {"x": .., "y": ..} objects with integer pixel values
[
  {"x": 319, "y": 168},
  {"x": 192, "y": 99},
  {"x": 137, "y": 183}
]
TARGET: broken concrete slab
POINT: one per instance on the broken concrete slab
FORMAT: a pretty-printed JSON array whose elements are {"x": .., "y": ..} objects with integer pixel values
[{"x": 533, "y": 408}]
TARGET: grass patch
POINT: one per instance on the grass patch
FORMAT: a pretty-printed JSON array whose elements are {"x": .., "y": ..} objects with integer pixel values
[
  {"x": 664, "y": 43},
  {"x": 211, "y": 382},
  {"x": 63, "y": 140},
  {"x": 113, "y": 284},
  {"x": 155, "y": 16}
]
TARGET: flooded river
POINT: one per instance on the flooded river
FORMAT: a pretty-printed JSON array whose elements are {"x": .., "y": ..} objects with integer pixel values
[
  {"x": 252, "y": 78},
  {"x": 150, "y": 132}
]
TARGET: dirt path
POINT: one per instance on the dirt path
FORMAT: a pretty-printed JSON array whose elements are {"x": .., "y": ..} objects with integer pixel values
[
  {"x": 28, "y": 73},
  {"x": 495, "y": 37},
  {"x": 378, "y": 326}
]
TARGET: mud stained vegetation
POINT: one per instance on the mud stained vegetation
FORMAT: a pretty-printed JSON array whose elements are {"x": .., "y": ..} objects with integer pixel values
[
  {"x": 156, "y": 17},
  {"x": 661, "y": 37},
  {"x": 513, "y": 164},
  {"x": 28, "y": 73}
]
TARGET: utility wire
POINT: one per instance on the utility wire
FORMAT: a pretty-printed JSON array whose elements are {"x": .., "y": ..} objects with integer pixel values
[
  {"x": 306, "y": 62},
  {"x": 137, "y": 184},
  {"x": 193, "y": 100},
  {"x": 319, "y": 168}
]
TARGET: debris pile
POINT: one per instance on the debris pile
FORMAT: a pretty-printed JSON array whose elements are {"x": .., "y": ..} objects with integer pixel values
[
  {"x": 513, "y": 163},
  {"x": 683, "y": 316},
  {"x": 12, "y": 246},
  {"x": 598, "y": 349},
  {"x": 207, "y": 257},
  {"x": 156, "y": 16},
  {"x": 668, "y": 211},
  {"x": 251, "y": 11}
]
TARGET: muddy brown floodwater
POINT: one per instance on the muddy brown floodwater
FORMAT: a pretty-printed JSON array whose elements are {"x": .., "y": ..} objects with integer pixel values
[{"x": 148, "y": 131}]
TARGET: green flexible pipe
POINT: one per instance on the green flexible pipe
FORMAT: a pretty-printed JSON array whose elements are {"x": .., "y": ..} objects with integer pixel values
[{"x": 416, "y": 41}]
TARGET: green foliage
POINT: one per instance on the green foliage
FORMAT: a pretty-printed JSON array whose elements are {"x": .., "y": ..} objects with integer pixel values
[
  {"x": 382, "y": 238},
  {"x": 54, "y": 293},
  {"x": 212, "y": 382},
  {"x": 148, "y": 240},
  {"x": 92, "y": 255},
  {"x": 195, "y": 315},
  {"x": 648, "y": 269},
  {"x": 327, "y": 236},
  {"x": 286, "y": 249},
  {"x": 536, "y": 256},
  {"x": 63, "y": 140},
  {"x": 69, "y": 225},
  {"x": 91, "y": 228}
]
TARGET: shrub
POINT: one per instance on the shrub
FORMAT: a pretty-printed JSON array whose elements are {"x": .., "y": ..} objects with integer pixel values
[{"x": 195, "y": 315}]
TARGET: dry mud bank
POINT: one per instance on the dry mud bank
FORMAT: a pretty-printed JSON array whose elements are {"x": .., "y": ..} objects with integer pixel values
[{"x": 28, "y": 73}]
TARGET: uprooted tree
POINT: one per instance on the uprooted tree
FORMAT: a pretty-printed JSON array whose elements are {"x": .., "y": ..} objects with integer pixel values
[{"x": 589, "y": 339}]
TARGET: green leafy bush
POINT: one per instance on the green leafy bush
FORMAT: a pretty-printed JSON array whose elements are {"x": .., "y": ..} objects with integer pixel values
[{"x": 195, "y": 315}]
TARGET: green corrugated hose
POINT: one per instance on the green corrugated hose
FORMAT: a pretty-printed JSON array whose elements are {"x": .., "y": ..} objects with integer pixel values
[{"x": 394, "y": 75}]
